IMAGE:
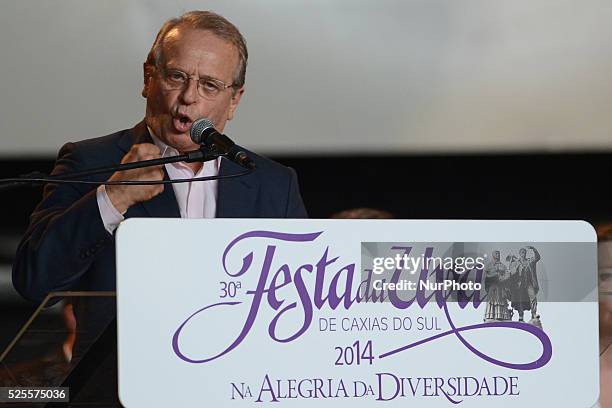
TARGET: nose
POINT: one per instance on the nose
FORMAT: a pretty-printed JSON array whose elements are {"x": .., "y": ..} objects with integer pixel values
[{"x": 189, "y": 95}]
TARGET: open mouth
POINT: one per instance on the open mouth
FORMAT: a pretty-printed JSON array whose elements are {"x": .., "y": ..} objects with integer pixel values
[{"x": 182, "y": 123}]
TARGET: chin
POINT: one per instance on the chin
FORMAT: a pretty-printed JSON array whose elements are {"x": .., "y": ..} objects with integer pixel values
[
  {"x": 186, "y": 147},
  {"x": 180, "y": 142}
]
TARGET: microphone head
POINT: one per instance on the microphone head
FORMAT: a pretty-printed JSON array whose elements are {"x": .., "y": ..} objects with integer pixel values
[{"x": 197, "y": 129}]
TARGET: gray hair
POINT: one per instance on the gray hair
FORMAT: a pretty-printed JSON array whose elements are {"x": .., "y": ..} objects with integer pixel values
[{"x": 205, "y": 21}]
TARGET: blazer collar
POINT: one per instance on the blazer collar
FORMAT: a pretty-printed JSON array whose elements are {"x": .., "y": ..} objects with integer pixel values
[
  {"x": 138, "y": 134},
  {"x": 236, "y": 197}
]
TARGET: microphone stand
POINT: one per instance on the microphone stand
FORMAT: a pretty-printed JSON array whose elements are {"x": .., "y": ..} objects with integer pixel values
[{"x": 200, "y": 155}]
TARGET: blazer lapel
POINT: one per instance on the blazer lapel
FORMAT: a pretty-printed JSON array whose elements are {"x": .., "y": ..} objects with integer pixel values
[
  {"x": 162, "y": 205},
  {"x": 236, "y": 197}
]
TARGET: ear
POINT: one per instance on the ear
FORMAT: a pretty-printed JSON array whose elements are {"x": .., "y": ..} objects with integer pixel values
[
  {"x": 234, "y": 103},
  {"x": 147, "y": 73}
]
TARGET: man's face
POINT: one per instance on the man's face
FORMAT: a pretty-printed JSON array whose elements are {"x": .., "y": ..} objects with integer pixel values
[
  {"x": 198, "y": 53},
  {"x": 523, "y": 253},
  {"x": 496, "y": 255}
]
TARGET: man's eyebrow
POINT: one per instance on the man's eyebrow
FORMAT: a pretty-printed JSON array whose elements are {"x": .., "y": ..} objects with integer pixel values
[{"x": 205, "y": 76}]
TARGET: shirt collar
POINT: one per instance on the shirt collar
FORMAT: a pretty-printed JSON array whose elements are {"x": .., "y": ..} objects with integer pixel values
[
  {"x": 169, "y": 151},
  {"x": 166, "y": 151}
]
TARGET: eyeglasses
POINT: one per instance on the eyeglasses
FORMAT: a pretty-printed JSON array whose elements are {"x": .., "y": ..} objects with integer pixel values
[{"x": 208, "y": 87}]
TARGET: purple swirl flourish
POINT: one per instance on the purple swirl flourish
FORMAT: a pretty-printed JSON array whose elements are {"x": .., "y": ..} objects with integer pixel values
[{"x": 533, "y": 365}]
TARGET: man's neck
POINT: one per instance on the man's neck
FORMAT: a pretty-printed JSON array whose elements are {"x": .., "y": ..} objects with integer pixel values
[{"x": 194, "y": 167}]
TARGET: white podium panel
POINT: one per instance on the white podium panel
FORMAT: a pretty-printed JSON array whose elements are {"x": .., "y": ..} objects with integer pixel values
[{"x": 359, "y": 313}]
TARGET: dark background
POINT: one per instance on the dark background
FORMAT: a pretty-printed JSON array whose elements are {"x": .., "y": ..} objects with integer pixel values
[{"x": 515, "y": 186}]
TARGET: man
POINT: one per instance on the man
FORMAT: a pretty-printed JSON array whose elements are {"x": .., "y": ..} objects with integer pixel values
[
  {"x": 524, "y": 293},
  {"x": 195, "y": 68}
]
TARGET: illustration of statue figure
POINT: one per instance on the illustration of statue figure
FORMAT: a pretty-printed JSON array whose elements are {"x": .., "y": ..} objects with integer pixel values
[
  {"x": 525, "y": 286},
  {"x": 498, "y": 293}
]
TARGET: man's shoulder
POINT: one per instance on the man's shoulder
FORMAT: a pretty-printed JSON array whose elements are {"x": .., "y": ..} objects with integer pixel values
[
  {"x": 268, "y": 167},
  {"x": 102, "y": 150},
  {"x": 279, "y": 192},
  {"x": 93, "y": 145}
]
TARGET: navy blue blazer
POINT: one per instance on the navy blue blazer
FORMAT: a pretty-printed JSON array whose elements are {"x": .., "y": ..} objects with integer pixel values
[{"x": 66, "y": 246}]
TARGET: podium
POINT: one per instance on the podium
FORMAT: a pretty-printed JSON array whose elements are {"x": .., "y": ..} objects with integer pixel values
[
  {"x": 296, "y": 313},
  {"x": 299, "y": 313}
]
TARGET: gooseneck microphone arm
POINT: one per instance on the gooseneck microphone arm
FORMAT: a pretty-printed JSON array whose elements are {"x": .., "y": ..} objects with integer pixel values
[
  {"x": 201, "y": 155},
  {"x": 212, "y": 145}
]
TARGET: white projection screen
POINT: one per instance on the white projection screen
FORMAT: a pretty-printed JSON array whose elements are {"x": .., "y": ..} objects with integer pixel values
[{"x": 327, "y": 76}]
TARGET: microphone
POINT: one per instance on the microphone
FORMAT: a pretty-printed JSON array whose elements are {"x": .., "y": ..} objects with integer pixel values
[{"x": 204, "y": 133}]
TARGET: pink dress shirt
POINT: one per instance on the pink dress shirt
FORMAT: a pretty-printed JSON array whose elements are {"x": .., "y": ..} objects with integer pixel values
[{"x": 196, "y": 199}]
